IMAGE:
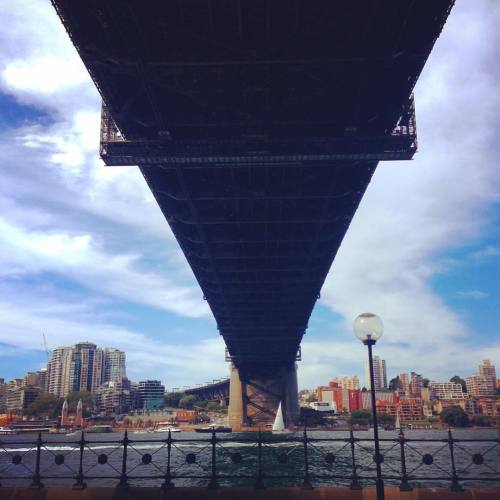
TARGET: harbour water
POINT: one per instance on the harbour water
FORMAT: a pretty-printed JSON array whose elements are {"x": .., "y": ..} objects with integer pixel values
[{"x": 282, "y": 458}]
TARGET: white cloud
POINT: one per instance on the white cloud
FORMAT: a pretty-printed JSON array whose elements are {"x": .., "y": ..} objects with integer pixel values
[
  {"x": 80, "y": 259},
  {"x": 63, "y": 212},
  {"x": 24, "y": 318},
  {"x": 413, "y": 211}
]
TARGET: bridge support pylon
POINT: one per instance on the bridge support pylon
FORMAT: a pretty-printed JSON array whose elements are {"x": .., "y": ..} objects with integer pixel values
[{"x": 253, "y": 402}]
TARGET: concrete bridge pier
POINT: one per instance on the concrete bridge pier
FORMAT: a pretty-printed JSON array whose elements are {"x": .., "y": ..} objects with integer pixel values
[{"x": 253, "y": 402}]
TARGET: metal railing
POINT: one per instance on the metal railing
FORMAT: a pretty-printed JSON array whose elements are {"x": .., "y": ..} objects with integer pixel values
[{"x": 258, "y": 459}]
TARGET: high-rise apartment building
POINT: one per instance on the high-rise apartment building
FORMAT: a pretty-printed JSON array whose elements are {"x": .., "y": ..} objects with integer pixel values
[
  {"x": 114, "y": 365},
  {"x": 83, "y": 367},
  {"x": 379, "y": 373},
  {"x": 416, "y": 384},
  {"x": 487, "y": 370},
  {"x": 58, "y": 371},
  {"x": 478, "y": 386}
]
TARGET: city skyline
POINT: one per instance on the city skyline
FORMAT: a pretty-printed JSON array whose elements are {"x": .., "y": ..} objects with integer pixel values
[
  {"x": 86, "y": 253},
  {"x": 486, "y": 369}
]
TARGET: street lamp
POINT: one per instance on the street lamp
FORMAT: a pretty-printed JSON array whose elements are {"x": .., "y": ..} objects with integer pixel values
[{"x": 369, "y": 328}]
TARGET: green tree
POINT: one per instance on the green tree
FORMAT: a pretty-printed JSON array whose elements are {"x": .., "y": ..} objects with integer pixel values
[
  {"x": 361, "y": 417},
  {"x": 455, "y": 417},
  {"x": 385, "y": 419},
  {"x": 45, "y": 405},
  {"x": 394, "y": 383},
  {"x": 187, "y": 401},
  {"x": 457, "y": 380},
  {"x": 172, "y": 399},
  {"x": 482, "y": 421},
  {"x": 213, "y": 406}
]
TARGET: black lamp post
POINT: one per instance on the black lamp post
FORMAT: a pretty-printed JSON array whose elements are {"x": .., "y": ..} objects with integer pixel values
[{"x": 369, "y": 328}]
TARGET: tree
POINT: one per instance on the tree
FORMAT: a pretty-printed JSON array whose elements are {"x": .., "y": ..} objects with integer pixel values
[
  {"x": 213, "y": 406},
  {"x": 187, "y": 401},
  {"x": 311, "y": 398},
  {"x": 482, "y": 421},
  {"x": 457, "y": 380},
  {"x": 454, "y": 416},
  {"x": 384, "y": 418},
  {"x": 45, "y": 405},
  {"x": 394, "y": 383},
  {"x": 361, "y": 417},
  {"x": 173, "y": 399},
  {"x": 425, "y": 382}
]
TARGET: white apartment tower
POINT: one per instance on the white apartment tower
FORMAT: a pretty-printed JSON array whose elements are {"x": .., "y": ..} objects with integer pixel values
[
  {"x": 114, "y": 365},
  {"x": 487, "y": 370},
  {"x": 379, "y": 373},
  {"x": 83, "y": 367}
]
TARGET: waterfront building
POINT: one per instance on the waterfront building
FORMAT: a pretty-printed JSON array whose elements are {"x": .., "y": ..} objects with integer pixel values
[
  {"x": 379, "y": 373},
  {"x": 390, "y": 397},
  {"x": 416, "y": 384},
  {"x": 478, "y": 386},
  {"x": 114, "y": 398},
  {"x": 355, "y": 400},
  {"x": 487, "y": 370},
  {"x": 19, "y": 398},
  {"x": 185, "y": 416},
  {"x": 489, "y": 407},
  {"x": 446, "y": 390},
  {"x": 151, "y": 394},
  {"x": 410, "y": 409}
]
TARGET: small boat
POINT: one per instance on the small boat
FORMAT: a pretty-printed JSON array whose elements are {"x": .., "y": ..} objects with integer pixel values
[
  {"x": 167, "y": 429},
  {"x": 7, "y": 431},
  {"x": 213, "y": 428},
  {"x": 279, "y": 423}
]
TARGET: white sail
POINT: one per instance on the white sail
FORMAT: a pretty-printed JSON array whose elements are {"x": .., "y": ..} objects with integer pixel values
[
  {"x": 398, "y": 423},
  {"x": 279, "y": 424}
]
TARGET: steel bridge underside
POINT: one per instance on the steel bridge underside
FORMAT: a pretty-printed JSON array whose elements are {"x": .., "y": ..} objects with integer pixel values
[{"x": 258, "y": 126}]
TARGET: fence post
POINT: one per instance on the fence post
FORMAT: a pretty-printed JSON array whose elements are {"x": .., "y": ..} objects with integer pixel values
[
  {"x": 404, "y": 486},
  {"x": 259, "y": 485},
  {"x": 455, "y": 486},
  {"x": 355, "y": 484},
  {"x": 306, "y": 484},
  {"x": 213, "y": 479},
  {"x": 123, "y": 478},
  {"x": 80, "y": 484},
  {"x": 168, "y": 484},
  {"x": 37, "y": 483}
]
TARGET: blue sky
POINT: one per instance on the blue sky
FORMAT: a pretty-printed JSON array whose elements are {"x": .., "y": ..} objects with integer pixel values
[{"x": 85, "y": 253}]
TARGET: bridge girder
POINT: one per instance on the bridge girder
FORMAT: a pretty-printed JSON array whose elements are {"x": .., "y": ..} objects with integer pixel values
[{"x": 258, "y": 126}]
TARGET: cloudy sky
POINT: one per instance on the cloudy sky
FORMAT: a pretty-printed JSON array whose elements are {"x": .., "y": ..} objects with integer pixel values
[{"x": 85, "y": 253}]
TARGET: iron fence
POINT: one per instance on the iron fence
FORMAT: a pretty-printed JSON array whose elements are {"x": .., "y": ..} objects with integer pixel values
[{"x": 259, "y": 459}]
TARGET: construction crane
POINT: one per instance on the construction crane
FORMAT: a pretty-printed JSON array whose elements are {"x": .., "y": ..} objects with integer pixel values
[{"x": 45, "y": 346}]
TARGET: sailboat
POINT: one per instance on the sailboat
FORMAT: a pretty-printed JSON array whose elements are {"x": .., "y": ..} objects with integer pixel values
[
  {"x": 398, "y": 423},
  {"x": 279, "y": 423}
]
